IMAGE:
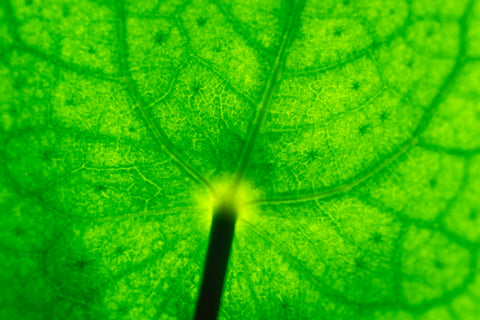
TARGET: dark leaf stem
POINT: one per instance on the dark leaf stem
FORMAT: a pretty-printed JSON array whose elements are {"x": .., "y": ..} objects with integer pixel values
[{"x": 218, "y": 253}]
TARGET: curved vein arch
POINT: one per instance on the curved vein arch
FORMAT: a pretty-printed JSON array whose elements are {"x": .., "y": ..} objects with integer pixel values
[
  {"x": 47, "y": 206},
  {"x": 41, "y": 189},
  {"x": 460, "y": 61},
  {"x": 236, "y": 25},
  {"x": 52, "y": 184},
  {"x": 458, "y": 152},
  {"x": 132, "y": 90},
  {"x": 378, "y": 93},
  {"x": 207, "y": 65},
  {"x": 338, "y": 296},
  {"x": 227, "y": 83},
  {"x": 19, "y": 44},
  {"x": 471, "y": 247},
  {"x": 341, "y": 188},
  {"x": 384, "y": 305},
  {"x": 43, "y": 269},
  {"x": 170, "y": 87},
  {"x": 437, "y": 223},
  {"x": 424, "y": 224},
  {"x": 399, "y": 32},
  {"x": 87, "y": 135},
  {"x": 84, "y": 166},
  {"x": 78, "y": 69},
  {"x": 397, "y": 263},
  {"x": 288, "y": 35},
  {"x": 339, "y": 231},
  {"x": 461, "y": 189},
  {"x": 36, "y": 195},
  {"x": 309, "y": 126},
  {"x": 421, "y": 127},
  {"x": 296, "y": 265}
]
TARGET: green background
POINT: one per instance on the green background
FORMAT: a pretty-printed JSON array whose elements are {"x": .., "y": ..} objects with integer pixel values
[{"x": 353, "y": 127}]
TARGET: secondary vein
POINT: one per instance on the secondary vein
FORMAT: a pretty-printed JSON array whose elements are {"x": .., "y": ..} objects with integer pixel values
[
  {"x": 409, "y": 143},
  {"x": 159, "y": 135},
  {"x": 265, "y": 103}
]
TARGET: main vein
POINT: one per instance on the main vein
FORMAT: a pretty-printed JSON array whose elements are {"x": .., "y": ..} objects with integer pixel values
[{"x": 265, "y": 103}]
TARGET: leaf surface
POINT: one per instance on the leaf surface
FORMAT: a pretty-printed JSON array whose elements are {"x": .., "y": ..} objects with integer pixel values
[{"x": 350, "y": 131}]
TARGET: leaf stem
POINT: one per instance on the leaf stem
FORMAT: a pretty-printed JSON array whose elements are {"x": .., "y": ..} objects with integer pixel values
[{"x": 218, "y": 253}]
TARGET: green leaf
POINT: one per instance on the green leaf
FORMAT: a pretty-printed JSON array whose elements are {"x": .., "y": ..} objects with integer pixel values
[{"x": 347, "y": 131}]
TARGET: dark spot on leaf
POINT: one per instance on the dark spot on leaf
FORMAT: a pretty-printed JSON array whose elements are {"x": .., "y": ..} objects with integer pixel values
[
  {"x": 438, "y": 264},
  {"x": 284, "y": 303},
  {"x": 92, "y": 50},
  {"x": 430, "y": 32},
  {"x": 28, "y": 2},
  {"x": 65, "y": 11},
  {"x": 473, "y": 214},
  {"x": 360, "y": 263},
  {"x": 377, "y": 237},
  {"x": 82, "y": 263},
  {"x": 160, "y": 37},
  {"x": 19, "y": 82},
  {"x": 355, "y": 85},
  {"x": 338, "y": 32},
  {"x": 19, "y": 230},
  {"x": 195, "y": 87},
  {"x": 69, "y": 102},
  {"x": 14, "y": 110},
  {"x": 3, "y": 56},
  {"x": 375, "y": 43},
  {"x": 433, "y": 183},
  {"x": 346, "y": 3},
  {"x": 201, "y": 21},
  {"x": 99, "y": 188},
  {"x": 311, "y": 155},
  {"x": 383, "y": 116},
  {"x": 47, "y": 154},
  {"x": 120, "y": 250},
  {"x": 123, "y": 308},
  {"x": 364, "y": 129}
]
